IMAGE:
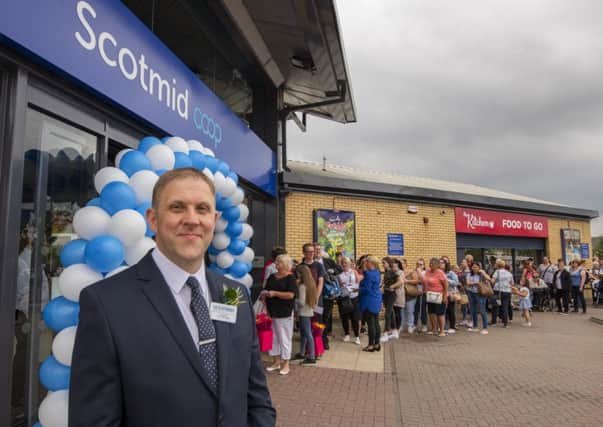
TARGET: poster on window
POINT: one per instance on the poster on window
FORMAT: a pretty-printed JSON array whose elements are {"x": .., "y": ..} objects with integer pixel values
[
  {"x": 570, "y": 244},
  {"x": 336, "y": 231}
]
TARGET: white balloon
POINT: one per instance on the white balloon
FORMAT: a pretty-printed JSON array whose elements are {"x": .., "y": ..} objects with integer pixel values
[
  {"x": 117, "y": 270},
  {"x": 62, "y": 345},
  {"x": 221, "y": 225},
  {"x": 54, "y": 409},
  {"x": 247, "y": 255},
  {"x": 138, "y": 250},
  {"x": 219, "y": 182},
  {"x": 119, "y": 156},
  {"x": 106, "y": 175},
  {"x": 143, "y": 182},
  {"x": 161, "y": 157},
  {"x": 75, "y": 278},
  {"x": 246, "y": 280},
  {"x": 238, "y": 196},
  {"x": 229, "y": 187},
  {"x": 221, "y": 241},
  {"x": 244, "y": 212},
  {"x": 177, "y": 144},
  {"x": 208, "y": 173},
  {"x": 208, "y": 152},
  {"x": 194, "y": 145},
  {"x": 247, "y": 232},
  {"x": 224, "y": 259},
  {"x": 90, "y": 222},
  {"x": 128, "y": 225}
]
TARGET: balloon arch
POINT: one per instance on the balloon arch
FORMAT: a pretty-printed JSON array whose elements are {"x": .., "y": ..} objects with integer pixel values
[{"x": 113, "y": 235}]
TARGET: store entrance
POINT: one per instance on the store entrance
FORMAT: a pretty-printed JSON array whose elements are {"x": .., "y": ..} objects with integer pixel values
[{"x": 513, "y": 257}]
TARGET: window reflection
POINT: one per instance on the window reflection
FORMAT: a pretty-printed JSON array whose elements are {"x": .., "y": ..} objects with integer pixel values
[{"x": 59, "y": 165}]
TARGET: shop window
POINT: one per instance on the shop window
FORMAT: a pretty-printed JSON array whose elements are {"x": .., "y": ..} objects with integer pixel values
[{"x": 59, "y": 166}]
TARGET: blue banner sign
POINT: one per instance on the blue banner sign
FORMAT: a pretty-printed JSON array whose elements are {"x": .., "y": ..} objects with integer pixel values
[
  {"x": 584, "y": 249},
  {"x": 104, "y": 46},
  {"x": 395, "y": 244}
]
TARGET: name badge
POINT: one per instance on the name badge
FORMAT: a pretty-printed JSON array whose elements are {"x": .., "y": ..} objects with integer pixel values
[{"x": 223, "y": 312}]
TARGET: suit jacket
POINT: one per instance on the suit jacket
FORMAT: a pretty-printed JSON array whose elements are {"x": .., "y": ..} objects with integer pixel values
[{"x": 135, "y": 363}]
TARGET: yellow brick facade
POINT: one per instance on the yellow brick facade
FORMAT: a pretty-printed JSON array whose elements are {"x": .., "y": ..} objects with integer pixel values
[
  {"x": 553, "y": 243},
  {"x": 429, "y": 232},
  {"x": 374, "y": 219}
]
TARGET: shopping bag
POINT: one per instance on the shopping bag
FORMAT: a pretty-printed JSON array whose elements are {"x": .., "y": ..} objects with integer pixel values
[
  {"x": 265, "y": 340},
  {"x": 259, "y": 307}
]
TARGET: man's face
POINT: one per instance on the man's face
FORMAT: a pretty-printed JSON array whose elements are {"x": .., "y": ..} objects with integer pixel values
[
  {"x": 317, "y": 251},
  {"x": 309, "y": 253},
  {"x": 184, "y": 221}
]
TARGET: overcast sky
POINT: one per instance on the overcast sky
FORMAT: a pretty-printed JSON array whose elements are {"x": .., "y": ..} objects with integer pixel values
[{"x": 504, "y": 94}]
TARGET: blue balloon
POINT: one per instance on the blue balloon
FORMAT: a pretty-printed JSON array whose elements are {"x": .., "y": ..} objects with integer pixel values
[
  {"x": 214, "y": 267},
  {"x": 37, "y": 425},
  {"x": 134, "y": 161},
  {"x": 142, "y": 209},
  {"x": 234, "y": 229},
  {"x": 238, "y": 269},
  {"x": 249, "y": 266},
  {"x": 222, "y": 203},
  {"x": 231, "y": 214},
  {"x": 212, "y": 250},
  {"x": 234, "y": 177},
  {"x": 246, "y": 242},
  {"x": 160, "y": 172},
  {"x": 54, "y": 375},
  {"x": 94, "y": 202},
  {"x": 104, "y": 253},
  {"x": 198, "y": 159},
  {"x": 116, "y": 196},
  {"x": 236, "y": 247},
  {"x": 212, "y": 164},
  {"x": 165, "y": 138},
  {"x": 224, "y": 168},
  {"x": 147, "y": 142},
  {"x": 73, "y": 252},
  {"x": 182, "y": 161},
  {"x": 60, "y": 313}
]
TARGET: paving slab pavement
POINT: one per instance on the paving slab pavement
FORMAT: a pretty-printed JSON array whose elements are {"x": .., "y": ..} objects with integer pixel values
[{"x": 547, "y": 375}]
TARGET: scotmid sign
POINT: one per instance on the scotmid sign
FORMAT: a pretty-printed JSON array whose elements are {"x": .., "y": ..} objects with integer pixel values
[{"x": 103, "y": 46}]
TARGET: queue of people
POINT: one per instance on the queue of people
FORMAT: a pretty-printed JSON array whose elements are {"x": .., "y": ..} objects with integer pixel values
[{"x": 432, "y": 294}]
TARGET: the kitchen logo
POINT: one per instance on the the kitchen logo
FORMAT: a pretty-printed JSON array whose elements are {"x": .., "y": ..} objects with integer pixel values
[{"x": 474, "y": 221}]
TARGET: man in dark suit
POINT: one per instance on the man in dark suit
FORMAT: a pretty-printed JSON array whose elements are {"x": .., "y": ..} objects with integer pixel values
[{"x": 149, "y": 349}]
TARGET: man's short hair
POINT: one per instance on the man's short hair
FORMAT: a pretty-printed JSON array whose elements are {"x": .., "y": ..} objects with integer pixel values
[
  {"x": 175, "y": 174},
  {"x": 306, "y": 246}
]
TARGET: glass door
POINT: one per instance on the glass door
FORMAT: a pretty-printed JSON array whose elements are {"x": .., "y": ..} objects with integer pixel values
[{"x": 59, "y": 165}]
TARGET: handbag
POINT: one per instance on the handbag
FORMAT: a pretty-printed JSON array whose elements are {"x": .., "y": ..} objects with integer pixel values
[
  {"x": 411, "y": 291},
  {"x": 345, "y": 305},
  {"x": 464, "y": 299},
  {"x": 331, "y": 289},
  {"x": 485, "y": 289},
  {"x": 433, "y": 297}
]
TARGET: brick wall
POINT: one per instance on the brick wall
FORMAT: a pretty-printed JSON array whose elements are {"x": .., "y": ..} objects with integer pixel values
[
  {"x": 374, "y": 219},
  {"x": 553, "y": 246}
]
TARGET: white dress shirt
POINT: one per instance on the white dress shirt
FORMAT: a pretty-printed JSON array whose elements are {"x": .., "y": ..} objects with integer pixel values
[{"x": 176, "y": 278}]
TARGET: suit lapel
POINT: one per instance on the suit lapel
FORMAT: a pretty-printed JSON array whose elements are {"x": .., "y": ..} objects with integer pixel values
[
  {"x": 222, "y": 330},
  {"x": 161, "y": 298}
]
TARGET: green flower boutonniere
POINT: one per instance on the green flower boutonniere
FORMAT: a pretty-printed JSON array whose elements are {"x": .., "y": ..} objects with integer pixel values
[{"x": 233, "y": 296}]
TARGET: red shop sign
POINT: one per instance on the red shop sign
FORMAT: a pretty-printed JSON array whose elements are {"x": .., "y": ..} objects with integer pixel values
[{"x": 476, "y": 221}]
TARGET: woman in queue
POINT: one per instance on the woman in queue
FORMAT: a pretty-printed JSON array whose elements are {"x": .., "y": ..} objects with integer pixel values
[
  {"x": 435, "y": 286},
  {"x": 370, "y": 301},
  {"x": 280, "y": 294},
  {"x": 306, "y": 300},
  {"x": 502, "y": 281},
  {"x": 350, "y": 280},
  {"x": 476, "y": 300},
  {"x": 453, "y": 293}
]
